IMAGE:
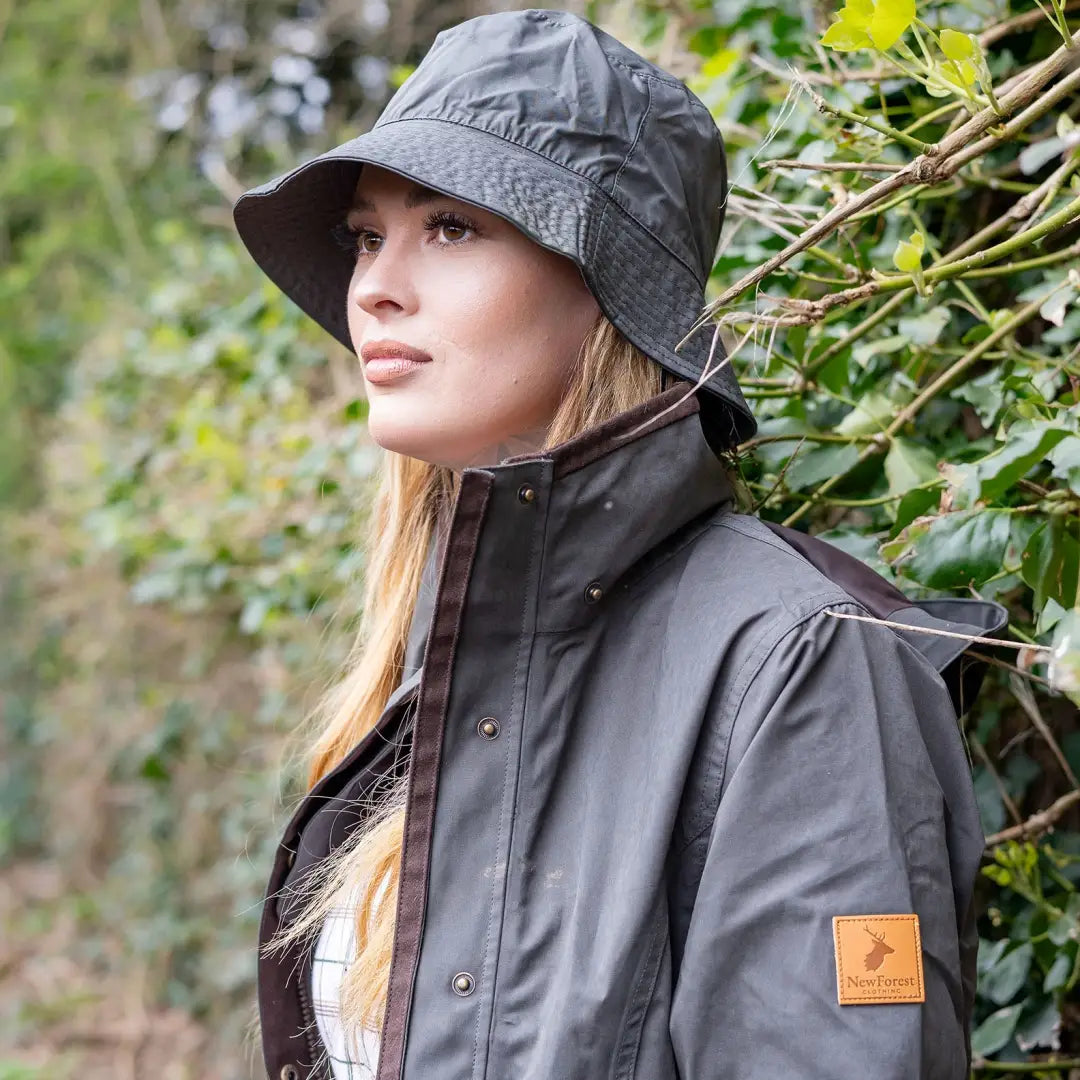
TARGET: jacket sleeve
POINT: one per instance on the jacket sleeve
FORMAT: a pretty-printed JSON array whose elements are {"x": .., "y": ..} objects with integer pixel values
[{"x": 846, "y": 790}]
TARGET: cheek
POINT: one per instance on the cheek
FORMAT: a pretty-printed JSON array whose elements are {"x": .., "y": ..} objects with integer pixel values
[{"x": 528, "y": 305}]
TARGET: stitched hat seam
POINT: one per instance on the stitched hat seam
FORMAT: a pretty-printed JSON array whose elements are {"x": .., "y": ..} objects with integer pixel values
[{"x": 558, "y": 164}]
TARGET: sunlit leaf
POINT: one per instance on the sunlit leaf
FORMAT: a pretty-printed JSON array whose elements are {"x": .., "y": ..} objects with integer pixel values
[
  {"x": 958, "y": 46},
  {"x": 891, "y": 18},
  {"x": 846, "y": 36},
  {"x": 908, "y": 254},
  {"x": 871, "y": 414},
  {"x": 908, "y": 465}
]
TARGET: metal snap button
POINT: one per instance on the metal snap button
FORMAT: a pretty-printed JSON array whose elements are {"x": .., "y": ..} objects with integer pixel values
[
  {"x": 289, "y": 1072},
  {"x": 463, "y": 984},
  {"x": 488, "y": 728},
  {"x": 526, "y": 493},
  {"x": 593, "y": 592}
]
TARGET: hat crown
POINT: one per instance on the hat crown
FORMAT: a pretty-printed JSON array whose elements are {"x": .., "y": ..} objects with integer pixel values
[{"x": 556, "y": 85}]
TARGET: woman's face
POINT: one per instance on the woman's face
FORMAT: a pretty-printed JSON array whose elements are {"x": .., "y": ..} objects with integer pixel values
[{"x": 500, "y": 318}]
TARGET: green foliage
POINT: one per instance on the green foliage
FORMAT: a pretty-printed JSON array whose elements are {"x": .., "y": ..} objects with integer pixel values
[
  {"x": 1029, "y": 976},
  {"x": 208, "y": 451}
]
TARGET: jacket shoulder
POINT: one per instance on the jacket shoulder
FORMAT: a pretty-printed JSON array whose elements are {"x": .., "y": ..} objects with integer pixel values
[{"x": 754, "y": 570}]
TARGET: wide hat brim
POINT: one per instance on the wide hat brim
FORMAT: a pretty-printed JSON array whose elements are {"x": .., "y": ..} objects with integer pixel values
[{"x": 649, "y": 294}]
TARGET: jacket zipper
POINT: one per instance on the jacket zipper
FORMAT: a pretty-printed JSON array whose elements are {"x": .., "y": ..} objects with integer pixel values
[{"x": 308, "y": 1014}]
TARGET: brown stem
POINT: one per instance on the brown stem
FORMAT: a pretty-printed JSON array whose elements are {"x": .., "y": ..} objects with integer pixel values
[
  {"x": 1022, "y": 693},
  {"x": 1037, "y": 823},
  {"x": 1014, "y": 812}
]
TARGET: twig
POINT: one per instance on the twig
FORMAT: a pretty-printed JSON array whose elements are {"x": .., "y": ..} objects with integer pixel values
[
  {"x": 994, "y": 661},
  {"x": 888, "y": 130},
  {"x": 940, "y": 271},
  {"x": 830, "y": 166},
  {"x": 938, "y": 164},
  {"x": 1006, "y": 798},
  {"x": 1018, "y": 22},
  {"x": 1005, "y": 269},
  {"x": 787, "y": 464},
  {"x": 1022, "y": 693},
  {"x": 1037, "y": 823},
  {"x": 1021, "y": 645},
  {"x": 982, "y": 1065}
]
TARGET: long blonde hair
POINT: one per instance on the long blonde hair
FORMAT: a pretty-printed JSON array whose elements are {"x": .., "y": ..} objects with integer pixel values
[{"x": 610, "y": 376}]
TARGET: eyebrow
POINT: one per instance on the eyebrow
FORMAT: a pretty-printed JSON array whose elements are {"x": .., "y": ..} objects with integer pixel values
[{"x": 417, "y": 195}]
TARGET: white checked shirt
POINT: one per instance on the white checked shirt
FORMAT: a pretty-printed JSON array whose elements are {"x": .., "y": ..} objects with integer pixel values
[{"x": 334, "y": 951}]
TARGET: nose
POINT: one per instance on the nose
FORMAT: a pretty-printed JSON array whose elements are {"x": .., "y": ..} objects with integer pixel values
[{"x": 383, "y": 284}]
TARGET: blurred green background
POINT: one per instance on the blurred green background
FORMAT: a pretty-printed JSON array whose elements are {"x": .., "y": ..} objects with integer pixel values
[{"x": 184, "y": 471}]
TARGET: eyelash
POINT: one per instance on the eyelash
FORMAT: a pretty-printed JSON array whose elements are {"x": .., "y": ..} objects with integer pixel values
[{"x": 349, "y": 239}]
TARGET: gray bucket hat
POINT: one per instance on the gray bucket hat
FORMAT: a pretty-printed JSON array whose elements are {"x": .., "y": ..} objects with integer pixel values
[{"x": 590, "y": 150}]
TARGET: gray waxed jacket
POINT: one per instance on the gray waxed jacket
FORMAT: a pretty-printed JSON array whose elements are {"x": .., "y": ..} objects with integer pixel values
[{"x": 693, "y": 768}]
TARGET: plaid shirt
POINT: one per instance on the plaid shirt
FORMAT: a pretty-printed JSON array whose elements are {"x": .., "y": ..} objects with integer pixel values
[{"x": 334, "y": 951}]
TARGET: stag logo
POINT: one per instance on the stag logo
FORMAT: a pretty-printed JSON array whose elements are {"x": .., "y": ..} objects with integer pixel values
[{"x": 876, "y": 956}]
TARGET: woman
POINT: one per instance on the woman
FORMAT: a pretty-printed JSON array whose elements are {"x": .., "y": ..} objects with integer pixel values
[{"x": 612, "y": 787}]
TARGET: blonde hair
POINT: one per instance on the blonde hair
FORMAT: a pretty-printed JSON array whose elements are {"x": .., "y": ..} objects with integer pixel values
[{"x": 610, "y": 376}]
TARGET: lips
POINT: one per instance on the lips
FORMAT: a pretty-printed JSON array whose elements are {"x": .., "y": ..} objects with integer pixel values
[
  {"x": 386, "y": 361},
  {"x": 392, "y": 350}
]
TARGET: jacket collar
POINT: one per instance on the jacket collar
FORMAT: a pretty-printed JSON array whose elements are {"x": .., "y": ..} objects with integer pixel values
[{"x": 611, "y": 495}]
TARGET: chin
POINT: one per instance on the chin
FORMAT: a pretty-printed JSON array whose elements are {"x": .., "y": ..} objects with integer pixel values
[{"x": 412, "y": 440}]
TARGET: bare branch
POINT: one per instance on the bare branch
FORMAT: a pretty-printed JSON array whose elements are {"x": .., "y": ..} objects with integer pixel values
[
  {"x": 1037, "y": 823},
  {"x": 938, "y": 164}
]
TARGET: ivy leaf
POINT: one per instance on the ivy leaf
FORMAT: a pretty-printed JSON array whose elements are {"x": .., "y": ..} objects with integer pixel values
[
  {"x": 1032, "y": 158},
  {"x": 862, "y": 354},
  {"x": 995, "y": 1031},
  {"x": 1067, "y": 927},
  {"x": 985, "y": 394},
  {"x": 872, "y": 413},
  {"x": 1050, "y": 562},
  {"x": 991, "y": 818},
  {"x": 851, "y": 29},
  {"x": 1041, "y": 1028},
  {"x": 1004, "y": 980},
  {"x": 819, "y": 464},
  {"x": 1064, "y": 668},
  {"x": 960, "y": 549},
  {"x": 1054, "y": 307},
  {"x": 926, "y": 328},
  {"x": 1023, "y": 450},
  {"x": 1059, "y": 972},
  {"x": 254, "y": 613},
  {"x": 989, "y": 951},
  {"x": 1065, "y": 458},
  {"x": 964, "y": 68},
  {"x": 908, "y": 465}
]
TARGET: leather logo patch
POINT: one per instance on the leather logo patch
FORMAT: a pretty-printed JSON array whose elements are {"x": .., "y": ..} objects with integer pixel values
[{"x": 878, "y": 959}]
